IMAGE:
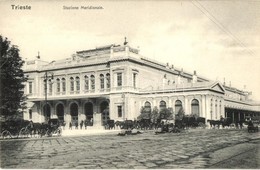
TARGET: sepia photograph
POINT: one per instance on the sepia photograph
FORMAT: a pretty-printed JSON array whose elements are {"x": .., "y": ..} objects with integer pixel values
[{"x": 120, "y": 84}]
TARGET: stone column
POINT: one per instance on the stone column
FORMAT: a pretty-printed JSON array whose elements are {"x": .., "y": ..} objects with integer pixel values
[
  {"x": 186, "y": 104},
  {"x": 97, "y": 121}
]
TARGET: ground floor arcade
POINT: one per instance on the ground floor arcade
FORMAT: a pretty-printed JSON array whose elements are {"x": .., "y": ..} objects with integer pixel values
[
  {"x": 73, "y": 111},
  {"x": 239, "y": 114},
  {"x": 121, "y": 106}
]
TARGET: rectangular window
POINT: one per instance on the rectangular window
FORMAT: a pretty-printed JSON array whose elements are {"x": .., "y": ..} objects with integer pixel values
[
  {"x": 86, "y": 84},
  {"x": 30, "y": 87},
  {"x": 64, "y": 86},
  {"x": 119, "y": 111},
  {"x": 78, "y": 85},
  {"x": 72, "y": 85},
  {"x": 102, "y": 86},
  {"x": 30, "y": 114},
  {"x": 92, "y": 83},
  {"x": 134, "y": 80},
  {"x": 108, "y": 82},
  {"x": 45, "y": 87},
  {"x": 119, "y": 79},
  {"x": 58, "y": 87},
  {"x": 50, "y": 87}
]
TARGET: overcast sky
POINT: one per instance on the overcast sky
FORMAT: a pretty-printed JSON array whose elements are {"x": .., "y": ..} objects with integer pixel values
[{"x": 216, "y": 38}]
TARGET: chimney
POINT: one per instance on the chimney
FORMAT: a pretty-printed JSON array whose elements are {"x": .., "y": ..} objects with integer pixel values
[
  {"x": 38, "y": 56},
  {"x": 224, "y": 83},
  {"x": 194, "y": 77},
  {"x": 229, "y": 83},
  {"x": 167, "y": 65}
]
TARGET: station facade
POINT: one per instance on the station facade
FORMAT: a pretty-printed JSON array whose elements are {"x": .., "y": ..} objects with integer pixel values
[{"x": 117, "y": 81}]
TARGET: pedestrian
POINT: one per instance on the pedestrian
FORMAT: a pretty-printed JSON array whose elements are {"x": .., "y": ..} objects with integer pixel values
[
  {"x": 91, "y": 121},
  {"x": 81, "y": 124},
  {"x": 76, "y": 125},
  {"x": 86, "y": 124},
  {"x": 64, "y": 124},
  {"x": 70, "y": 127}
]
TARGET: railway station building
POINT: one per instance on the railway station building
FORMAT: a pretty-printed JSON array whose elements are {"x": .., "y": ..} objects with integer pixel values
[{"x": 117, "y": 81}]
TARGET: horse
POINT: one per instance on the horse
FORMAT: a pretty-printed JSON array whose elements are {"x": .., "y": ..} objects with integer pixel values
[
  {"x": 144, "y": 124},
  {"x": 119, "y": 124},
  {"x": 110, "y": 124},
  {"x": 226, "y": 122},
  {"x": 214, "y": 123}
]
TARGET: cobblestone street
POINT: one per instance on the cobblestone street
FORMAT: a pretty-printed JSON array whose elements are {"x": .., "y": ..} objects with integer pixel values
[{"x": 191, "y": 149}]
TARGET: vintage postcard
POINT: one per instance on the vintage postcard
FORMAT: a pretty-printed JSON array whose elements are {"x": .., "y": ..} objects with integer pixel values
[{"x": 130, "y": 84}]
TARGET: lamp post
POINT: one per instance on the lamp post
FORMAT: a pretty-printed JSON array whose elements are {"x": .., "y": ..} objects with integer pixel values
[{"x": 47, "y": 75}]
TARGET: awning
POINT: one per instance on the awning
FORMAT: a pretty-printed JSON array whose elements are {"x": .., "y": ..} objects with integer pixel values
[{"x": 30, "y": 104}]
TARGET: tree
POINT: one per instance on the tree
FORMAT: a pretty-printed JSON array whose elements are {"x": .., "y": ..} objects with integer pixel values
[
  {"x": 144, "y": 114},
  {"x": 12, "y": 99},
  {"x": 180, "y": 114},
  {"x": 155, "y": 114},
  {"x": 166, "y": 113}
]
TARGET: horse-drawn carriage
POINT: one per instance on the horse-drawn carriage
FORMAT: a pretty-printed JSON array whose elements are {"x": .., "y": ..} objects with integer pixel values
[
  {"x": 52, "y": 128},
  {"x": 15, "y": 128},
  {"x": 253, "y": 123},
  {"x": 189, "y": 121},
  {"x": 25, "y": 128},
  {"x": 110, "y": 124}
]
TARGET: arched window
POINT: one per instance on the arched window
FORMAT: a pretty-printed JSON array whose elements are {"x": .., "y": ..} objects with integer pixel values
[
  {"x": 162, "y": 105},
  {"x": 58, "y": 85},
  {"x": 108, "y": 80},
  {"x": 63, "y": 84},
  {"x": 60, "y": 112},
  {"x": 178, "y": 106},
  {"x": 92, "y": 79},
  {"x": 102, "y": 81},
  {"x": 77, "y": 84},
  {"x": 195, "y": 107},
  {"x": 45, "y": 86},
  {"x": 104, "y": 108},
  {"x": 147, "y": 107},
  {"x": 74, "y": 113},
  {"x": 47, "y": 112},
  {"x": 211, "y": 108},
  {"x": 86, "y": 83},
  {"x": 88, "y": 109},
  {"x": 216, "y": 109},
  {"x": 50, "y": 86},
  {"x": 71, "y": 84},
  {"x": 220, "y": 107}
]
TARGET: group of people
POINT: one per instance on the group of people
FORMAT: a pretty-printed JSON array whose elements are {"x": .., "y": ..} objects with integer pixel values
[{"x": 81, "y": 124}]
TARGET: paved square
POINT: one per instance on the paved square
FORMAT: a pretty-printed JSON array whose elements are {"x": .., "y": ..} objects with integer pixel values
[{"x": 190, "y": 149}]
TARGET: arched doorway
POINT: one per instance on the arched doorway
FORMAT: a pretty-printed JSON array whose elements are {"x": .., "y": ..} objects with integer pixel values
[
  {"x": 74, "y": 113},
  {"x": 47, "y": 112},
  {"x": 104, "y": 109},
  {"x": 60, "y": 112},
  {"x": 88, "y": 110}
]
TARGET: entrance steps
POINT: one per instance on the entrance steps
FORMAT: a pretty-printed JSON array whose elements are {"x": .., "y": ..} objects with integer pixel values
[{"x": 89, "y": 131}]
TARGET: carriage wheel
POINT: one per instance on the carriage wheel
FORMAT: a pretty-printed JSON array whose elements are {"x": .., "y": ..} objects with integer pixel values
[
  {"x": 48, "y": 133},
  {"x": 59, "y": 131},
  {"x": 24, "y": 132},
  {"x": 6, "y": 133},
  {"x": 202, "y": 125}
]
